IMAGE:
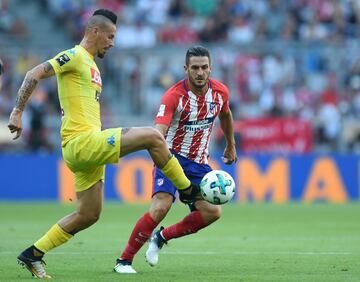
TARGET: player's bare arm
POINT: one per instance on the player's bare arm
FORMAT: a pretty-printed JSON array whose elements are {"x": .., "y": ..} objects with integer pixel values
[
  {"x": 31, "y": 79},
  {"x": 226, "y": 124}
]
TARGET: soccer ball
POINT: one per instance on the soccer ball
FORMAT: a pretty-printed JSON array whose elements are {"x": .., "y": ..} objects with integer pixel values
[{"x": 217, "y": 187}]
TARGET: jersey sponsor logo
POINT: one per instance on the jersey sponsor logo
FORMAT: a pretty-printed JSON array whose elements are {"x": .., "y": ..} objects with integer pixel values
[
  {"x": 95, "y": 77},
  {"x": 197, "y": 125},
  {"x": 161, "y": 111},
  {"x": 62, "y": 59},
  {"x": 111, "y": 140},
  {"x": 200, "y": 122},
  {"x": 195, "y": 128}
]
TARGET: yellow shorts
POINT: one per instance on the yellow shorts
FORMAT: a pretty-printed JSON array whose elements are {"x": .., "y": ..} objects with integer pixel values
[{"x": 87, "y": 154}]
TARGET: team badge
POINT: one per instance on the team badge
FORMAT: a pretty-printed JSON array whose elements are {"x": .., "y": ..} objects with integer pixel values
[
  {"x": 212, "y": 107},
  {"x": 160, "y": 181},
  {"x": 63, "y": 59}
]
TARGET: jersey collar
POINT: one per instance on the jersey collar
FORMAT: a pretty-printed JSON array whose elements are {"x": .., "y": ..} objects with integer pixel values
[{"x": 85, "y": 51}]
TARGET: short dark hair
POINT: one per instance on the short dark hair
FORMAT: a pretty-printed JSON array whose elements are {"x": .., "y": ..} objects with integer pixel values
[
  {"x": 196, "y": 51},
  {"x": 107, "y": 14}
]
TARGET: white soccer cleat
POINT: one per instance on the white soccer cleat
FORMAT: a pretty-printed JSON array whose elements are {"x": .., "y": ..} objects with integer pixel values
[
  {"x": 36, "y": 267},
  {"x": 155, "y": 245},
  {"x": 123, "y": 266}
]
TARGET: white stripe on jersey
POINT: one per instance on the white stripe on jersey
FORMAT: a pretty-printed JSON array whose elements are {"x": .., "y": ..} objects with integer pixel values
[{"x": 188, "y": 134}]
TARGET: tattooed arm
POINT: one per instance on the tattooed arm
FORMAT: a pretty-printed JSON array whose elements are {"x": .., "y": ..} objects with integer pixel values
[{"x": 31, "y": 79}]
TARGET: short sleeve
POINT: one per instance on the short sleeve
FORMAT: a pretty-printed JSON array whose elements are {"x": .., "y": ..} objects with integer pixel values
[
  {"x": 167, "y": 108},
  {"x": 225, "y": 97},
  {"x": 63, "y": 62}
]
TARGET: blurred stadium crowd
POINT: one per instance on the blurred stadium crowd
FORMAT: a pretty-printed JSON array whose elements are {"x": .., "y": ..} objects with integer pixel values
[{"x": 295, "y": 58}]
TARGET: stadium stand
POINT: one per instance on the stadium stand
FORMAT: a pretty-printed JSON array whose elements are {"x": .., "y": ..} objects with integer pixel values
[{"x": 295, "y": 58}]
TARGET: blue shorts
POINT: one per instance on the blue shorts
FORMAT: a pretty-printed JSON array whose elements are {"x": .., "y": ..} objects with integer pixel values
[{"x": 194, "y": 171}]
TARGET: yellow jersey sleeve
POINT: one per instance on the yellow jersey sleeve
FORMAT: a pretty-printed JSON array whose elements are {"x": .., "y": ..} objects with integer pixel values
[{"x": 64, "y": 61}]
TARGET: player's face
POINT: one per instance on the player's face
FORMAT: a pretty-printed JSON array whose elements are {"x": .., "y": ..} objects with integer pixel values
[
  {"x": 105, "y": 40},
  {"x": 198, "y": 71}
]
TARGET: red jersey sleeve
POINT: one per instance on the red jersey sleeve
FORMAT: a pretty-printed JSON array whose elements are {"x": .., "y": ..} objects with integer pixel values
[
  {"x": 167, "y": 107},
  {"x": 224, "y": 92}
]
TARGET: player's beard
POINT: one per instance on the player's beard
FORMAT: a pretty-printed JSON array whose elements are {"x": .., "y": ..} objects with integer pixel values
[
  {"x": 198, "y": 85},
  {"x": 101, "y": 55}
]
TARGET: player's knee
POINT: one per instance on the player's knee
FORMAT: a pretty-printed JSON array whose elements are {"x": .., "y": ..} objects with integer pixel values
[
  {"x": 90, "y": 218},
  {"x": 156, "y": 138},
  {"x": 94, "y": 217},
  {"x": 159, "y": 212},
  {"x": 160, "y": 206}
]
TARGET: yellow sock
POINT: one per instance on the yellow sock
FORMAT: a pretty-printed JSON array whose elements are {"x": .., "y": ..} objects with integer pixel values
[
  {"x": 175, "y": 173},
  {"x": 55, "y": 237}
]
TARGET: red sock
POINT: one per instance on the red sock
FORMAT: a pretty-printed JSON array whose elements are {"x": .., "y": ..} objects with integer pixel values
[
  {"x": 140, "y": 234},
  {"x": 191, "y": 223}
]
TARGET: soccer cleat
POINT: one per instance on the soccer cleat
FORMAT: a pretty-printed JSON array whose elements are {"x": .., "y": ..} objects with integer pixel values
[
  {"x": 124, "y": 266},
  {"x": 155, "y": 245},
  {"x": 36, "y": 267}
]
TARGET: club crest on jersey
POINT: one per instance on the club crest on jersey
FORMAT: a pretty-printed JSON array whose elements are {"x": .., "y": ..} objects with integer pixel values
[
  {"x": 160, "y": 181},
  {"x": 212, "y": 107},
  {"x": 95, "y": 77},
  {"x": 63, "y": 59}
]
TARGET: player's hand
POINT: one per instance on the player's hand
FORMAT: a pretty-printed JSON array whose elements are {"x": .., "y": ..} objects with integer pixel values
[
  {"x": 15, "y": 122},
  {"x": 229, "y": 155},
  {"x": 190, "y": 195}
]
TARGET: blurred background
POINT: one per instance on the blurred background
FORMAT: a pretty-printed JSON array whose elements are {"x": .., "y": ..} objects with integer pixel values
[{"x": 292, "y": 68}]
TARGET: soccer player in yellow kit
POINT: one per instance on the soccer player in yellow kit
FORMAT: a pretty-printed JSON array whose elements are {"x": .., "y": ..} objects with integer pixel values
[{"x": 85, "y": 147}]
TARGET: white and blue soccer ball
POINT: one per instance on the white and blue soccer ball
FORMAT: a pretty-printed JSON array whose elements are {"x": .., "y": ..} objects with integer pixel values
[{"x": 217, "y": 187}]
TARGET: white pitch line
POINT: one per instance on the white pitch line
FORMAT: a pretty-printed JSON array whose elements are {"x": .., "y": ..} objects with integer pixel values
[{"x": 205, "y": 253}]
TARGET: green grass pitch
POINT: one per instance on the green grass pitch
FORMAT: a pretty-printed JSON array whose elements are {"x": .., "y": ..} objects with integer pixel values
[{"x": 251, "y": 242}]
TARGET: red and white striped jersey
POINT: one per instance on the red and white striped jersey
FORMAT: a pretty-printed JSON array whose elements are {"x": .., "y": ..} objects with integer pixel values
[{"x": 190, "y": 118}]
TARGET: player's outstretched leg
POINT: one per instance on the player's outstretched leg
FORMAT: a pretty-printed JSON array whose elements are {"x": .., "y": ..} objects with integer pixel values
[
  {"x": 155, "y": 245},
  {"x": 34, "y": 264}
]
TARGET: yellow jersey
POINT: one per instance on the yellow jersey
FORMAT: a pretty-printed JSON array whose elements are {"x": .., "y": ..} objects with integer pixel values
[{"x": 79, "y": 90}]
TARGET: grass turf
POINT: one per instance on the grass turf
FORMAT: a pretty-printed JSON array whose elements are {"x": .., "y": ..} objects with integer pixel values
[{"x": 252, "y": 242}]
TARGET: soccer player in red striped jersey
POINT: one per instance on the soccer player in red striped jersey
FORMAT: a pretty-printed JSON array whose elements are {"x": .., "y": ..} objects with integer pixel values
[{"x": 186, "y": 118}]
